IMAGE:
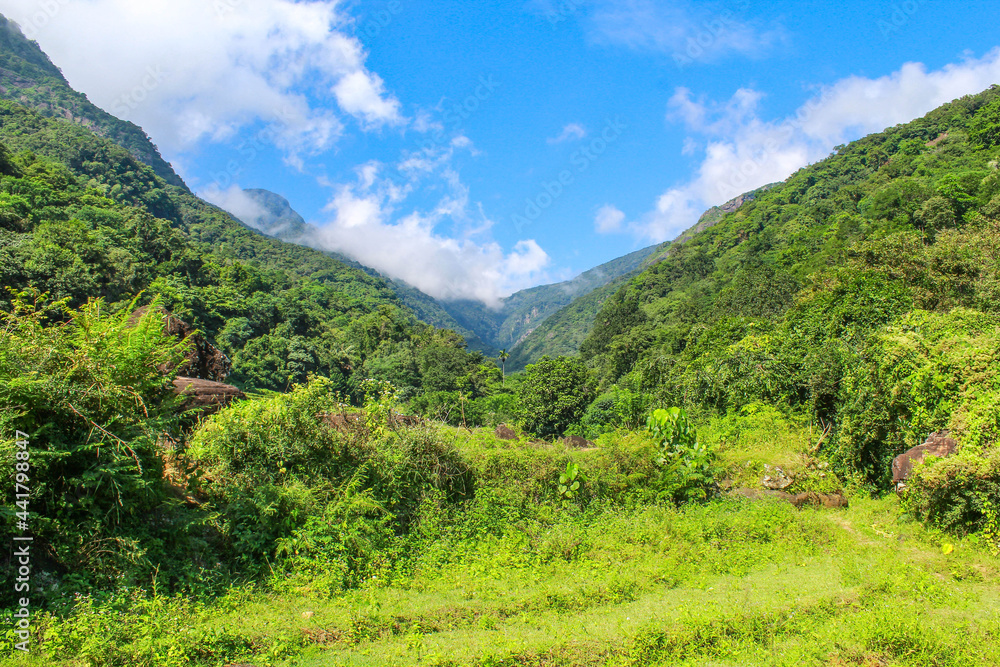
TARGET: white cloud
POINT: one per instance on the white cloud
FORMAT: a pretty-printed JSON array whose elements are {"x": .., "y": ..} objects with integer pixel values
[
  {"x": 234, "y": 200},
  {"x": 363, "y": 94},
  {"x": 570, "y": 132},
  {"x": 688, "y": 31},
  {"x": 608, "y": 220},
  {"x": 743, "y": 152},
  {"x": 190, "y": 70},
  {"x": 410, "y": 249}
]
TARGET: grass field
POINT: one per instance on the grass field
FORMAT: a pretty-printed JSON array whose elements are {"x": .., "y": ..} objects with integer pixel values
[{"x": 728, "y": 582}]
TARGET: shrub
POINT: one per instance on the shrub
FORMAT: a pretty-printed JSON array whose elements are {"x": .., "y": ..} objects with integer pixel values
[
  {"x": 553, "y": 395},
  {"x": 688, "y": 466},
  {"x": 955, "y": 493}
]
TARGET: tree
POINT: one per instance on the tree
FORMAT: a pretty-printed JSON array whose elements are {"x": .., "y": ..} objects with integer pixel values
[
  {"x": 553, "y": 395},
  {"x": 503, "y": 357}
]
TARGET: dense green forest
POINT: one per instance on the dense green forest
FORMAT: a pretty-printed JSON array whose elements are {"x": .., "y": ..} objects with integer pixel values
[
  {"x": 30, "y": 78},
  {"x": 861, "y": 292},
  {"x": 707, "y": 482}
]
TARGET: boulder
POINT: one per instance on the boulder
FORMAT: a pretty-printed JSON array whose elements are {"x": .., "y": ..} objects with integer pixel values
[
  {"x": 396, "y": 419},
  {"x": 203, "y": 360},
  {"x": 829, "y": 500},
  {"x": 939, "y": 444},
  {"x": 577, "y": 441},
  {"x": 776, "y": 478},
  {"x": 342, "y": 421},
  {"x": 205, "y": 394},
  {"x": 505, "y": 432}
]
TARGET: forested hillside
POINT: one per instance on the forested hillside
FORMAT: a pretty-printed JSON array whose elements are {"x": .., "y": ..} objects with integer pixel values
[
  {"x": 28, "y": 77},
  {"x": 83, "y": 219},
  {"x": 862, "y": 292},
  {"x": 708, "y": 482}
]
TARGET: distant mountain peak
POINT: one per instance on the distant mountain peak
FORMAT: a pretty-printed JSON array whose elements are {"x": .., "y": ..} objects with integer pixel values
[{"x": 274, "y": 215}]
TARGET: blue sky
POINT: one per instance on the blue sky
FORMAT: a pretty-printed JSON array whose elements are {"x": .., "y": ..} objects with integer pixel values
[{"x": 476, "y": 148}]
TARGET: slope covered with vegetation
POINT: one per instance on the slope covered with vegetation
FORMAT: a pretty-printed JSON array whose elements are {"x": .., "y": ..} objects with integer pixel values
[
  {"x": 493, "y": 329},
  {"x": 562, "y": 332},
  {"x": 28, "y": 77},
  {"x": 862, "y": 293},
  {"x": 83, "y": 219},
  {"x": 827, "y": 324}
]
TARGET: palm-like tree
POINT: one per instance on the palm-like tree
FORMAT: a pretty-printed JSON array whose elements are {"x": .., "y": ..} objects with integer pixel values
[{"x": 503, "y": 357}]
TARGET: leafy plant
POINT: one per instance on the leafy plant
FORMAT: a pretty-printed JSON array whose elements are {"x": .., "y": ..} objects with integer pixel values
[
  {"x": 569, "y": 482},
  {"x": 688, "y": 467}
]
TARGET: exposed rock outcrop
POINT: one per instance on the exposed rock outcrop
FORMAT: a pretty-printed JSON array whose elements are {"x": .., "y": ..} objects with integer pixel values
[
  {"x": 939, "y": 444},
  {"x": 505, "y": 432},
  {"x": 830, "y": 500},
  {"x": 203, "y": 360},
  {"x": 577, "y": 441},
  {"x": 205, "y": 394}
]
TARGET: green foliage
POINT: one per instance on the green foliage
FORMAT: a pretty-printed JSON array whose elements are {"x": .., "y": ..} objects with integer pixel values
[
  {"x": 984, "y": 129},
  {"x": 86, "y": 387},
  {"x": 959, "y": 493},
  {"x": 930, "y": 371},
  {"x": 569, "y": 482},
  {"x": 553, "y": 395},
  {"x": 688, "y": 466}
]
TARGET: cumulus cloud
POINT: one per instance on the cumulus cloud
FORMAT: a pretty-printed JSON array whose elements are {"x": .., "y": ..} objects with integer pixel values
[
  {"x": 190, "y": 70},
  {"x": 608, "y": 220},
  {"x": 743, "y": 152},
  {"x": 688, "y": 31},
  {"x": 410, "y": 249},
  {"x": 570, "y": 132}
]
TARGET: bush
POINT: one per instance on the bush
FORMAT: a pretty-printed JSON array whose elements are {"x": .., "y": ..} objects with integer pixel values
[
  {"x": 86, "y": 388},
  {"x": 553, "y": 395},
  {"x": 688, "y": 466},
  {"x": 955, "y": 493}
]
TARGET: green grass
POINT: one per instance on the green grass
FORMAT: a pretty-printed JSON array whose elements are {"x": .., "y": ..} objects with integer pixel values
[{"x": 514, "y": 578}]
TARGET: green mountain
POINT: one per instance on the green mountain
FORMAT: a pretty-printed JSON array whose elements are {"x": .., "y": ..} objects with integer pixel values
[
  {"x": 28, "y": 77},
  {"x": 562, "y": 332},
  {"x": 275, "y": 216},
  {"x": 522, "y": 312},
  {"x": 486, "y": 329},
  {"x": 82, "y": 218},
  {"x": 862, "y": 292}
]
